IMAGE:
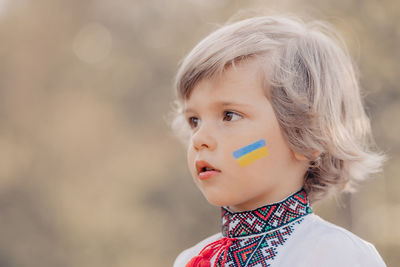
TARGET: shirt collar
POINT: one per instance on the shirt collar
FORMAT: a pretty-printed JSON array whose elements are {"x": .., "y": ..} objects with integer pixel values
[{"x": 265, "y": 218}]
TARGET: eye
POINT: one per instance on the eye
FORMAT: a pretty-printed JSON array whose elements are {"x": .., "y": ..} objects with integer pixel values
[
  {"x": 193, "y": 122},
  {"x": 229, "y": 114}
]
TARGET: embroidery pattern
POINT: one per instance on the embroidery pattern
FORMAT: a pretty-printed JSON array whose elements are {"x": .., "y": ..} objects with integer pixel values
[
  {"x": 265, "y": 218},
  {"x": 262, "y": 231},
  {"x": 259, "y": 250}
]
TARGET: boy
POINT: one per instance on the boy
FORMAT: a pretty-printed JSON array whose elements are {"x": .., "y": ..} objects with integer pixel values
[{"x": 270, "y": 110}]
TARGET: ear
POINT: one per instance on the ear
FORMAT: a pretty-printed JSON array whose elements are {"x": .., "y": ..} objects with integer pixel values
[{"x": 301, "y": 157}]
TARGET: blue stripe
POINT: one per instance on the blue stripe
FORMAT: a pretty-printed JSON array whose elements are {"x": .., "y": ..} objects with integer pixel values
[{"x": 247, "y": 149}]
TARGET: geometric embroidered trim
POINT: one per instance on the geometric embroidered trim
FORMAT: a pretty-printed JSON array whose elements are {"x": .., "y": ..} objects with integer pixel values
[
  {"x": 266, "y": 218},
  {"x": 258, "y": 250}
]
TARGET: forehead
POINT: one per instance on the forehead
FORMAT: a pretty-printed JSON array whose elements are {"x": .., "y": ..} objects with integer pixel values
[{"x": 240, "y": 85}]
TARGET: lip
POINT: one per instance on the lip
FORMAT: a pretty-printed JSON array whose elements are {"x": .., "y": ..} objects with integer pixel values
[
  {"x": 200, "y": 164},
  {"x": 207, "y": 174}
]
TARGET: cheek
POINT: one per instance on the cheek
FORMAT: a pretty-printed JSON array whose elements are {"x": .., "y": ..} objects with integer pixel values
[
  {"x": 190, "y": 159},
  {"x": 251, "y": 153},
  {"x": 280, "y": 150}
]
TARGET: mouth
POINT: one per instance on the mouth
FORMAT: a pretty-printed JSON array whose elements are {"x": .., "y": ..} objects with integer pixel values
[{"x": 205, "y": 170}]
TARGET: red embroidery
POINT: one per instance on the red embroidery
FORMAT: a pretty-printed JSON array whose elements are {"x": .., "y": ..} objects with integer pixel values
[{"x": 205, "y": 255}]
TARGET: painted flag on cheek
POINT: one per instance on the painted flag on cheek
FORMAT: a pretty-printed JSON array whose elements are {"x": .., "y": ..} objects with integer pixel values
[{"x": 250, "y": 153}]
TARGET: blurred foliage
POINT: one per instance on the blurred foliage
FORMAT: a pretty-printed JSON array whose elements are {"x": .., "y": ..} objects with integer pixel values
[{"x": 90, "y": 174}]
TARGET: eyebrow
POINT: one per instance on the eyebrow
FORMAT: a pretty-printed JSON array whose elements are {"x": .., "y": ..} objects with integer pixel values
[{"x": 222, "y": 104}]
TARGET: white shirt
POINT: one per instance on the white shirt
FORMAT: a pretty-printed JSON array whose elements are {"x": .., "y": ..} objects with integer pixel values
[{"x": 306, "y": 241}]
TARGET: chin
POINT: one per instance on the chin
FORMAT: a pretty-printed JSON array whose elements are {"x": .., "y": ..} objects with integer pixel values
[{"x": 218, "y": 200}]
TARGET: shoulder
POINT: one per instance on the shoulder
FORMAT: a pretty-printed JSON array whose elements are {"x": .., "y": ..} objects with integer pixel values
[
  {"x": 185, "y": 256},
  {"x": 331, "y": 245}
]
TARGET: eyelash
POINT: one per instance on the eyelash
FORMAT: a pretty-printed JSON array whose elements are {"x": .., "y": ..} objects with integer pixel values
[{"x": 190, "y": 121}]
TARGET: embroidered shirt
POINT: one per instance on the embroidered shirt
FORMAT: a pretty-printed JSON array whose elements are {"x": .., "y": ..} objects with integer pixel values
[
  {"x": 286, "y": 233},
  {"x": 264, "y": 230}
]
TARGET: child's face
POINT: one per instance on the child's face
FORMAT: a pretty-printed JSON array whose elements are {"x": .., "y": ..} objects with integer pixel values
[{"x": 218, "y": 131}]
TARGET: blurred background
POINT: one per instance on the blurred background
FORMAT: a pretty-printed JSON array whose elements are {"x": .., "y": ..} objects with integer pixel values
[{"x": 91, "y": 175}]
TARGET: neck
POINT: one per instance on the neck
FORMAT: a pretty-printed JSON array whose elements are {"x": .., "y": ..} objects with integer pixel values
[{"x": 270, "y": 197}]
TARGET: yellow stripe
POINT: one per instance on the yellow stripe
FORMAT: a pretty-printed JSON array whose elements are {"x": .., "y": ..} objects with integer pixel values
[{"x": 253, "y": 156}]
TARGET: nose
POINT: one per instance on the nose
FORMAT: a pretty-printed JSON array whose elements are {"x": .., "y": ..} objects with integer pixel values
[{"x": 204, "y": 138}]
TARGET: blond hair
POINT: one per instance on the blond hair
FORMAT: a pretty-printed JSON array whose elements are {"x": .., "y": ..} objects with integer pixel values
[{"x": 313, "y": 89}]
